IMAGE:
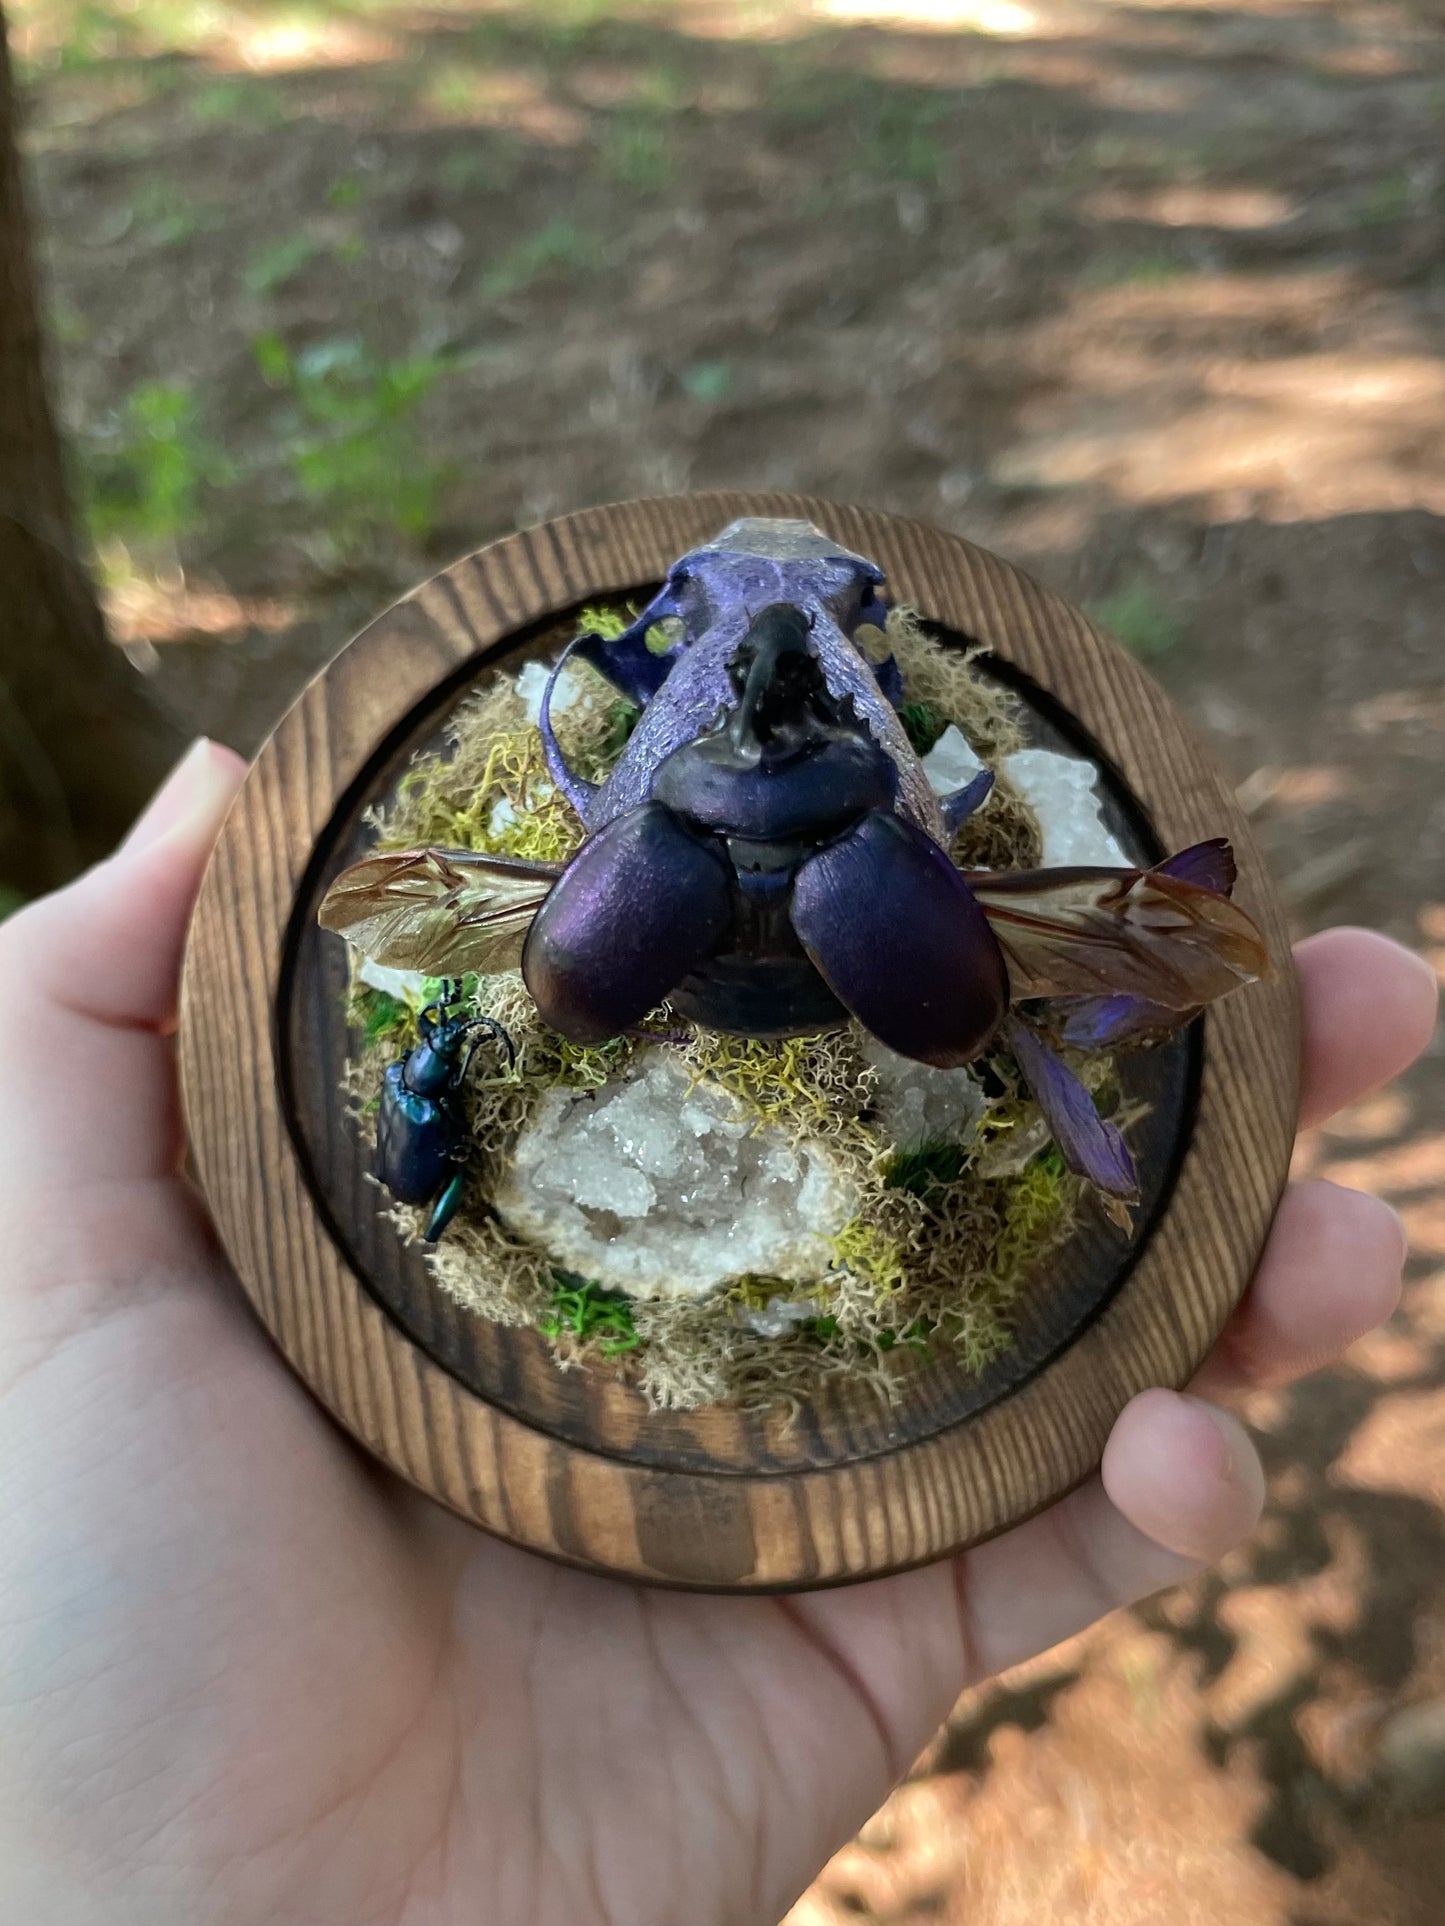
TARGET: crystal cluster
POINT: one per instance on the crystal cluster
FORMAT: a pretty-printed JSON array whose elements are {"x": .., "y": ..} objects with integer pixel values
[{"x": 660, "y": 1189}]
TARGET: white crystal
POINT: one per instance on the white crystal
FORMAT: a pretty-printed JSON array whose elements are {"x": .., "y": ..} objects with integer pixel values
[
  {"x": 778, "y": 1316},
  {"x": 660, "y": 1190},
  {"x": 407, "y": 986},
  {"x": 951, "y": 762},
  {"x": 501, "y": 816},
  {"x": 531, "y": 685},
  {"x": 1060, "y": 791},
  {"x": 917, "y": 1102}
]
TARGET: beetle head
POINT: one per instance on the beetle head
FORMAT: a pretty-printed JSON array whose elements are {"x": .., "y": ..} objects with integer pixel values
[{"x": 788, "y": 760}]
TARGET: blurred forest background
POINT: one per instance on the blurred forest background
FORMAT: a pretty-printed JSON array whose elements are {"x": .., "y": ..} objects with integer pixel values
[{"x": 1150, "y": 297}]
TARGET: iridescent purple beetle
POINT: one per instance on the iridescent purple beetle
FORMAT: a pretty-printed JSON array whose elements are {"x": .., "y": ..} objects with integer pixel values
[{"x": 768, "y": 857}]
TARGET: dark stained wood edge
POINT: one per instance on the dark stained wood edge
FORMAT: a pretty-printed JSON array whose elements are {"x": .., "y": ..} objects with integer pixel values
[{"x": 683, "y": 1528}]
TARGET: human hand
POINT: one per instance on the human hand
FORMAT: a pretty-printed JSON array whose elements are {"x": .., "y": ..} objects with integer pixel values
[{"x": 247, "y": 1677}]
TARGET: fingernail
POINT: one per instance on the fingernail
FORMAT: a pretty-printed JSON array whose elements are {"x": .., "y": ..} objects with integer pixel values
[{"x": 199, "y": 780}]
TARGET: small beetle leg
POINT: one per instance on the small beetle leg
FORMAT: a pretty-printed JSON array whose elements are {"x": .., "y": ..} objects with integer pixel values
[
  {"x": 889, "y": 678},
  {"x": 958, "y": 807},
  {"x": 639, "y": 906},
  {"x": 896, "y": 934},
  {"x": 499, "y": 1035},
  {"x": 445, "y": 1207}
]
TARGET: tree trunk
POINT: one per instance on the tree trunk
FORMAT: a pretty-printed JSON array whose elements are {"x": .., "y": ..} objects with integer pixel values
[{"x": 82, "y": 742}]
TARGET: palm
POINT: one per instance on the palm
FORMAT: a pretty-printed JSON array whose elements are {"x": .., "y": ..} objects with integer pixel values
[{"x": 246, "y": 1676}]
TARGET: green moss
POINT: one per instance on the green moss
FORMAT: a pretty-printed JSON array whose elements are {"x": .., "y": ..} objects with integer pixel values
[
  {"x": 923, "y": 724},
  {"x": 582, "y": 1311},
  {"x": 1034, "y": 1205},
  {"x": 622, "y": 719},
  {"x": 379, "y": 1017},
  {"x": 925, "y": 1169},
  {"x": 608, "y": 623}
]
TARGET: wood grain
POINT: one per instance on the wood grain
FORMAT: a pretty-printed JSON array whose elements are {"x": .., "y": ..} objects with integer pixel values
[{"x": 573, "y": 1464}]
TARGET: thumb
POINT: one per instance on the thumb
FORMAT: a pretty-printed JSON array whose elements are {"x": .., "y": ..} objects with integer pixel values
[
  {"x": 88, "y": 980},
  {"x": 108, "y": 946}
]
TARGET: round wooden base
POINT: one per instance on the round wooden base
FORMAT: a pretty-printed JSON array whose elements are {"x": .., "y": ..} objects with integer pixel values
[{"x": 573, "y": 1464}]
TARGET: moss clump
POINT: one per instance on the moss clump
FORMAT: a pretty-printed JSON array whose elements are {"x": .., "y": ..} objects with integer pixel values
[
  {"x": 868, "y": 1251},
  {"x": 922, "y": 724},
  {"x": 925, "y": 1169},
  {"x": 945, "y": 683},
  {"x": 584, "y": 1315},
  {"x": 946, "y": 1233}
]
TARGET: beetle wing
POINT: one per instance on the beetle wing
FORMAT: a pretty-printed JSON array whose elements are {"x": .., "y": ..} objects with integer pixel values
[
  {"x": 1109, "y": 932},
  {"x": 444, "y": 911}
]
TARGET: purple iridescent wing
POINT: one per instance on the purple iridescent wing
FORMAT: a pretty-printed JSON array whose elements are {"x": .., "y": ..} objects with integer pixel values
[
  {"x": 1107, "y": 932},
  {"x": 640, "y": 905},
  {"x": 1105, "y": 1022},
  {"x": 1208, "y": 865},
  {"x": 894, "y": 931},
  {"x": 1090, "y": 1145},
  {"x": 443, "y": 911}
]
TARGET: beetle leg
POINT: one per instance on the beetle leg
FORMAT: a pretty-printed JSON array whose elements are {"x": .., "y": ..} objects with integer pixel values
[
  {"x": 896, "y": 934},
  {"x": 958, "y": 807},
  {"x": 639, "y": 906},
  {"x": 578, "y": 791},
  {"x": 446, "y": 1206},
  {"x": 1087, "y": 1142}
]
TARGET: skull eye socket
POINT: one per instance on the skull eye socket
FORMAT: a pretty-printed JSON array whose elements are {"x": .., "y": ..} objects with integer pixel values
[{"x": 670, "y": 632}]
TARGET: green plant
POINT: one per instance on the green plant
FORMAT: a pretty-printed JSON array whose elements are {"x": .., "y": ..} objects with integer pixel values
[
  {"x": 903, "y": 146},
  {"x": 272, "y": 266},
  {"x": 164, "y": 214},
  {"x": 1139, "y": 618},
  {"x": 350, "y": 434},
  {"x": 345, "y": 192},
  {"x": 253, "y": 102},
  {"x": 1138, "y": 271},
  {"x": 583, "y": 1310},
  {"x": 926, "y": 1168},
  {"x": 143, "y": 477},
  {"x": 1385, "y": 201},
  {"x": 707, "y": 380},
  {"x": 923, "y": 725},
  {"x": 558, "y": 244},
  {"x": 636, "y": 152}
]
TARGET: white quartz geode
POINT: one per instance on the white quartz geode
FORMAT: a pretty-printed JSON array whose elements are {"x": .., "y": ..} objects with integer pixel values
[{"x": 660, "y": 1189}]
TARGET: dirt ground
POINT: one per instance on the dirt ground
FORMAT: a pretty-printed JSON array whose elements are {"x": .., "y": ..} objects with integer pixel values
[{"x": 1150, "y": 298}]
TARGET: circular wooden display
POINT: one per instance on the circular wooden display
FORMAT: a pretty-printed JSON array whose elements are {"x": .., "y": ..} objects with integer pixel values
[{"x": 574, "y": 1464}]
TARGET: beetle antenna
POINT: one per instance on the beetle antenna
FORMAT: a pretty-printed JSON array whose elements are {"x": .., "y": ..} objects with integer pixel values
[{"x": 496, "y": 1030}]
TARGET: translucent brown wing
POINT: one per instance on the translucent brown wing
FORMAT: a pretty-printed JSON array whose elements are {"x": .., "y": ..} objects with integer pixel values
[
  {"x": 444, "y": 911},
  {"x": 1110, "y": 932}
]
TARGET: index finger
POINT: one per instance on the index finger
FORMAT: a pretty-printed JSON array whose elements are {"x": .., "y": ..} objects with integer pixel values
[{"x": 1369, "y": 1008}]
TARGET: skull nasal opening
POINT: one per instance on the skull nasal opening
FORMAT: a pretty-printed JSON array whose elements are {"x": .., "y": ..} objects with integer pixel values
[{"x": 776, "y": 675}]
